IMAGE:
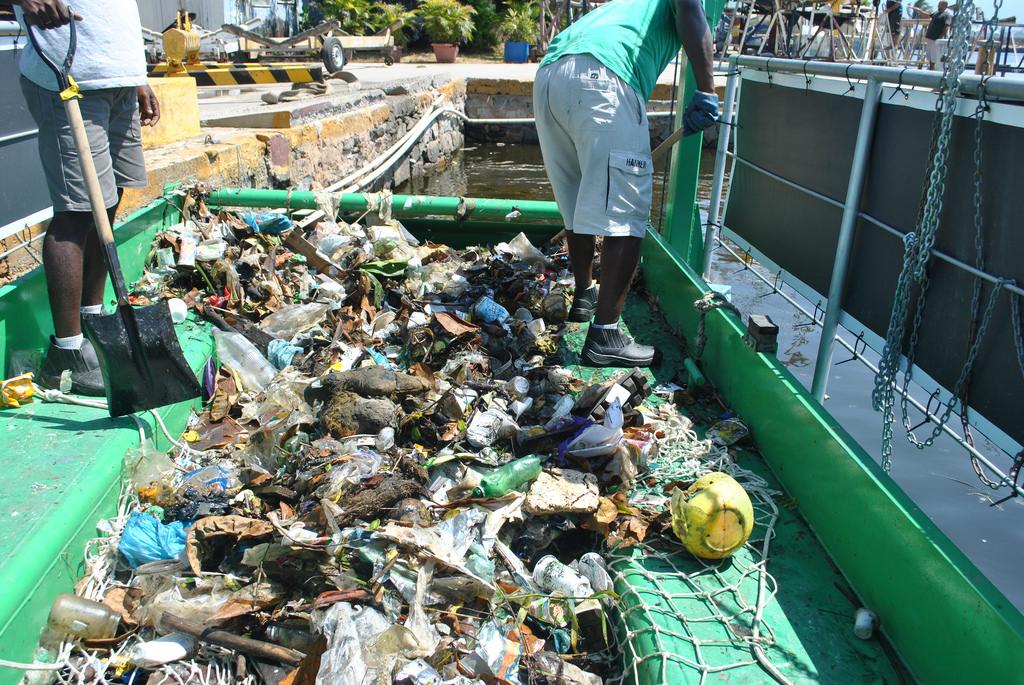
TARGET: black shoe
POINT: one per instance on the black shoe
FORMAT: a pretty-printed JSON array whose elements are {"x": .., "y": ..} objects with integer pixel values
[
  {"x": 583, "y": 305},
  {"x": 611, "y": 347},
  {"x": 86, "y": 377}
]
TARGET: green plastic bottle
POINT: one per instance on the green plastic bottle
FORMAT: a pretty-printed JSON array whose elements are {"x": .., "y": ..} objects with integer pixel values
[{"x": 509, "y": 477}]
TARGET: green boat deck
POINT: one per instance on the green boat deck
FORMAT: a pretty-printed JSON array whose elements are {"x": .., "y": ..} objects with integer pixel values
[
  {"x": 811, "y": 615},
  {"x": 861, "y": 537}
]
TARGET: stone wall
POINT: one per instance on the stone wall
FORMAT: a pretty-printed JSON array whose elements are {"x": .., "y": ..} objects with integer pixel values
[{"x": 511, "y": 99}]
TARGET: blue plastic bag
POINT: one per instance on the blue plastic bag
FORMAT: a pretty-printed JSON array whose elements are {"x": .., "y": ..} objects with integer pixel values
[
  {"x": 145, "y": 540},
  {"x": 270, "y": 223}
]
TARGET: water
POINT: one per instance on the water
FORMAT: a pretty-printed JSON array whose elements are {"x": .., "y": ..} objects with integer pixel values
[{"x": 940, "y": 480}]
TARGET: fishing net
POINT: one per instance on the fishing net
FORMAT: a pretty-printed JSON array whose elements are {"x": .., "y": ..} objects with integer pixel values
[{"x": 682, "y": 612}]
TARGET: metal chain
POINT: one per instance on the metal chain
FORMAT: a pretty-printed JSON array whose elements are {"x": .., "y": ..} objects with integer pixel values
[
  {"x": 918, "y": 250},
  {"x": 1018, "y": 330}
]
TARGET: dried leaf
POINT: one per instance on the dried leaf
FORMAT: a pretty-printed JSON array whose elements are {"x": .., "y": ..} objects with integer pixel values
[
  {"x": 215, "y": 528},
  {"x": 630, "y": 531},
  {"x": 621, "y": 502},
  {"x": 454, "y": 325}
]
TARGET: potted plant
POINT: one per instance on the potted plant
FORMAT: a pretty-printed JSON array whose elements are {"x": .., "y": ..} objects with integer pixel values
[
  {"x": 519, "y": 29},
  {"x": 447, "y": 23}
]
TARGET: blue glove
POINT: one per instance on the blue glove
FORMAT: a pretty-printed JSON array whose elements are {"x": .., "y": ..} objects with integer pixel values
[{"x": 701, "y": 113}]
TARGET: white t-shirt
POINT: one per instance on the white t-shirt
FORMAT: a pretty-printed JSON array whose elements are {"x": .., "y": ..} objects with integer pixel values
[{"x": 109, "y": 53}]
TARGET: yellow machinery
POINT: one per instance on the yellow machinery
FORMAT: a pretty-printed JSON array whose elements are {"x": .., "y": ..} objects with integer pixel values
[{"x": 181, "y": 45}]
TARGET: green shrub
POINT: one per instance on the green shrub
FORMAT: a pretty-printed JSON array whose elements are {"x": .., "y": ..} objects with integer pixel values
[
  {"x": 485, "y": 26},
  {"x": 447, "y": 21},
  {"x": 385, "y": 14},
  {"x": 355, "y": 16},
  {"x": 521, "y": 22}
]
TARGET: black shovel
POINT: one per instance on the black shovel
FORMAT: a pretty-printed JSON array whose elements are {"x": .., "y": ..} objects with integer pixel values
[{"x": 143, "y": 366}]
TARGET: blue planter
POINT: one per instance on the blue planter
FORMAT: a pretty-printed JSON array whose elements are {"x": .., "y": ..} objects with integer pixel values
[{"x": 517, "y": 52}]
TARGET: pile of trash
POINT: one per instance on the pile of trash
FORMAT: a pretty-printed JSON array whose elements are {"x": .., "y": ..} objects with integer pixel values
[{"x": 394, "y": 478}]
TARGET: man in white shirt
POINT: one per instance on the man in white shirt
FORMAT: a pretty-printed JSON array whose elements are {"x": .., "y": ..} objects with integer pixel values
[{"x": 110, "y": 69}]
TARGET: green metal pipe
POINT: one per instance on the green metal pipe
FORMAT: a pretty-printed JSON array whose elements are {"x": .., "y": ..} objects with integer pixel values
[{"x": 401, "y": 205}]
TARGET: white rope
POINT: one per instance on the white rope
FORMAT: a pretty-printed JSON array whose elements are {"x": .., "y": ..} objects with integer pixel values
[{"x": 34, "y": 666}]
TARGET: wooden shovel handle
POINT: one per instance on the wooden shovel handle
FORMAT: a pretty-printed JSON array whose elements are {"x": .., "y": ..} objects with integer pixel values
[{"x": 668, "y": 143}]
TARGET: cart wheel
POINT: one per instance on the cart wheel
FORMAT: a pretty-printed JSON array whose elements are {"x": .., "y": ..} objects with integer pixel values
[
  {"x": 333, "y": 54},
  {"x": 389, "y": 60}
]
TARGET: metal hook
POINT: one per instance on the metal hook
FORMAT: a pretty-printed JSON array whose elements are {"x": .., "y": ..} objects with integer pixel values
[
  {"x": 747, "y": 259},
  {"x": 852, "y": 87},
  {"x": 859, "y": 347},
  {"x": 768, "y": 71},
  {"x": 807, "y": 79},
  {"x": 929, "y": 411},
  {"x": 775, "y": 285},
  {"x": 818, "y": 310},
  {"x": 899, "y": 86}
]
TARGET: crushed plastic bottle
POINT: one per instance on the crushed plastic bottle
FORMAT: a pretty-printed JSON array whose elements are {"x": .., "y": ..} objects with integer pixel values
[
  {"x": 489, "y": 311},
  {"x": 487, "y": 426},
  {"x": 509, "y": 477},
  {"x": 289, "y": 321},
  {"x": 234, "y": 350},
  {"x": 551, "y": 575}
]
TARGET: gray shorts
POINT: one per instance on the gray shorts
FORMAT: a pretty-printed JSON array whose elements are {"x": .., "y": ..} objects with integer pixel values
[
  {"x": 596, "y": 144},
  {"x": 111, "y": 117}
]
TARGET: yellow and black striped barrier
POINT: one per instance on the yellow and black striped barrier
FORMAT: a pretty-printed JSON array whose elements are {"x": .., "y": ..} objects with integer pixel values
[{"x": 242, "y": 74}]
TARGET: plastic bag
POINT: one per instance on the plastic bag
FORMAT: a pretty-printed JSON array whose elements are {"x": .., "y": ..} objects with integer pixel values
[
  {"x": 16, "y": 391},
  {"x": 347, "y": 627},
  {"x": 145, "y": 539},
  {"x": 270, "y": 223}
]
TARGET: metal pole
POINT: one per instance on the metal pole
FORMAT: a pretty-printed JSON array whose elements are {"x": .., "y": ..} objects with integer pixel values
[
  {"x": 1009, "y": 88},
  {"x": 858, "y": 170},
  {"x": 719, "y": 179}
]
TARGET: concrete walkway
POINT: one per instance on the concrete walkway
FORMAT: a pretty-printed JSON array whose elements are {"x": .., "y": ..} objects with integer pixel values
[{"x": 216, "y": 101}]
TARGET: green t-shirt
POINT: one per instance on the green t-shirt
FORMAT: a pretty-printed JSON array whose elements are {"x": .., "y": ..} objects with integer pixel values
[{"x": 636, "y": 39}]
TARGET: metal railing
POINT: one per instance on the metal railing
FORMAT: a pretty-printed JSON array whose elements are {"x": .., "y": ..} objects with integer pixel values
[{"x": 873, "y": 77}]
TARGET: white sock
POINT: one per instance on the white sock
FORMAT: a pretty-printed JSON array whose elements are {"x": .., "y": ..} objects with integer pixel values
[
  {"x": 91, "y": 309},
  {"x": 72, "y": 343},
  {"x": 605, "y": 326}
]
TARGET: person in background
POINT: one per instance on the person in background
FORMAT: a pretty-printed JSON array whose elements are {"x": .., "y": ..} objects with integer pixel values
[
  {"x": 589, "y": 100},
  {"x": 938, "y": 28},
  {"x": 894, "y": 14},
  {"x": 110, "y": 69}
]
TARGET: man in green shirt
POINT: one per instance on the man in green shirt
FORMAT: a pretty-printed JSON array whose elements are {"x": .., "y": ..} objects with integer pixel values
[{"x": 590, "y": 103}]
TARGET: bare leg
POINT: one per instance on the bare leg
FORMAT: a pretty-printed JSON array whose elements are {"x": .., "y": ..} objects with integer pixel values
[
  {"x": 619, "y": 259},
  {"x": 94, "y": 263},
  {"x": 581, "y": 258},
  {"x": 63, "y": 257}
]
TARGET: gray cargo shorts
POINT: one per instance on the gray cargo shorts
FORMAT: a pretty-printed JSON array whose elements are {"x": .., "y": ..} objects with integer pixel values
[
  {"x": 111, "y": 117},
  {"x": 596, "y": 144}
]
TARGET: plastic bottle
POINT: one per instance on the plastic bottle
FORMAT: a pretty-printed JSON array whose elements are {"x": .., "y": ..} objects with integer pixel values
[
  {"x": 517, "y": 387},
  {"x": 81, "y": 618},
  {"x": 551, "y": 575},
  {"x": 509, "y": 477},
  {"x": 292, "y": 636},
  {"x": 241, "y": 355}
]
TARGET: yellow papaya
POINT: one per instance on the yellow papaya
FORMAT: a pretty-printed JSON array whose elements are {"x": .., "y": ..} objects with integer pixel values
[{"x": 713, "y": 517}]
